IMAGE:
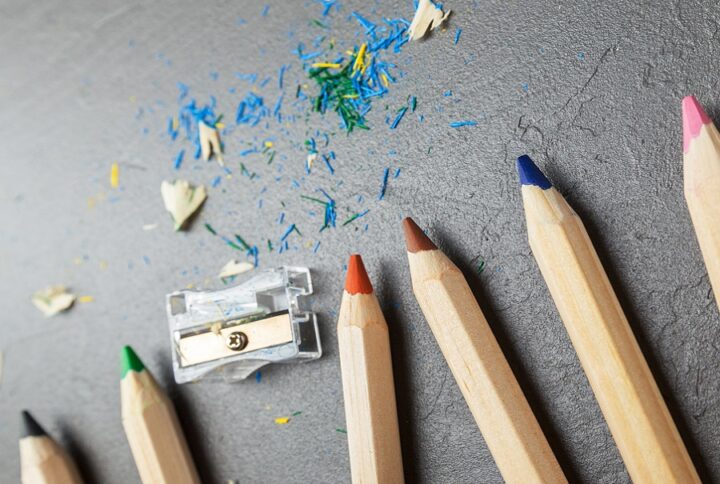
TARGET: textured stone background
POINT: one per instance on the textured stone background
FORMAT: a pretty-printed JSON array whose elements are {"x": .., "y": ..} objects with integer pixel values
[{"x": 591, "y": 89}]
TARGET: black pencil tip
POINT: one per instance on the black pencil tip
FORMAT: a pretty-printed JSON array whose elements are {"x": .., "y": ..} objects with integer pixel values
[{"x": 30, "y": 427}]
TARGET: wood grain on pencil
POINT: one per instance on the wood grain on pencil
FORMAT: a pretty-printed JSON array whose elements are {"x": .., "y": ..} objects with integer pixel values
[
  {"x": 629, "y": 398},
  {"x": 496, "y": 401},
  {"x": 152, "y": 427},
  {"x": 701, "y": 147},
  {"x": 42, "y": 460},
  {"x": 368, "y": 388}
]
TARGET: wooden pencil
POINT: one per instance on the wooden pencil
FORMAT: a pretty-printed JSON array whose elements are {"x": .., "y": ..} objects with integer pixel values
[
  {"x": 368, "y": 389},
  {"x": 152, "y": 427},
  {"x": 496, "y": 401},
  {"x": 624, "y": 387},
  {"x": 42, "y": 460},
  {"x": 701, "y": 148}
]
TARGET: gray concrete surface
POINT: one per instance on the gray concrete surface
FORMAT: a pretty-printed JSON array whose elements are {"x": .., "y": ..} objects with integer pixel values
[{"x": 591, "y": 90}]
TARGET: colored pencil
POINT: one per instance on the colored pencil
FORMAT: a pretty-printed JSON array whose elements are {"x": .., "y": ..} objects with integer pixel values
[
  {"x": 152, "y": 427},
  {"x": 42, "y": 460},
  {"x": 367, "y": 376},
  {"x": 618, "y": 373},
  {"x": 501, "y": 411},
  {"x": 701, "y": 148}
]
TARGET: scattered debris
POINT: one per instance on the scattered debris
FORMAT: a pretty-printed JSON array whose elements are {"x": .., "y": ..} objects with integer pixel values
[
  {"x": 210, "y": 142},
  {"x": 458, "y": 124},
  {"x": 86, "y": 299},
  {"x": 53, "y": 300},
  {"x": 428, "y": 16},
  {"x": 282, "y": 420},
  {"x": 233, "y": 268},
  {"x": 182, "y": 200},
  {"x": 114, "y": 175}
]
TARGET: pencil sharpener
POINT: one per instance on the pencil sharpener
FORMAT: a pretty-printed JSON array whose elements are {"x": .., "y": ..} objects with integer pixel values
[{"x": 230, "y": 333}]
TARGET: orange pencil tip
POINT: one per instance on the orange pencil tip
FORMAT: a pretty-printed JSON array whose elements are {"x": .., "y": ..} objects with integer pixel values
[
  {"x": 415, "y": 238},
  {"x": 357, "y": 280}
]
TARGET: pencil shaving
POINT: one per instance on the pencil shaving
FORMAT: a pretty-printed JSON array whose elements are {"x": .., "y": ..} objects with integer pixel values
[
  {"x": 210, "y": 143},
  {"x": 428, "y": 16},
  {"x": 182, "y": 200},
  {"x": 53, "y": 300},
  {"x": 233, "y": 268}
]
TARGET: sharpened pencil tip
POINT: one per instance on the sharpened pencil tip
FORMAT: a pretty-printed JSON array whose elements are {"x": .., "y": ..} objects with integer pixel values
[
  {"x": 415, "y": 238},
  {"x": 530, "y": 174},
  {"x": 130, "y": 361},
  {"x": 30, "y": 427},
  {"x": 694, "y": 117},
  {"x": 357, "y": 280}
]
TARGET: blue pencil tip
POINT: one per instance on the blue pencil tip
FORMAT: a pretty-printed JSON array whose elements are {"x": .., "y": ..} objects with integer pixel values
[{"x": 530, "y": 174}]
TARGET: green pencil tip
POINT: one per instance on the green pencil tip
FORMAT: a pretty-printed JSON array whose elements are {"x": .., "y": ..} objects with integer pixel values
[{"x": 130, "y": 361}]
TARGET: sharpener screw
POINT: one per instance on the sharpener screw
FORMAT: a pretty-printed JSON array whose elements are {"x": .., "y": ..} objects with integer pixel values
[{"x": 236, "y": 341}]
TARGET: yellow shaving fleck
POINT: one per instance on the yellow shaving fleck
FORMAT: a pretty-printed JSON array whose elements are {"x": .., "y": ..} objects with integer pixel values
[
  {"x": 282, "y": 420},
  {"x": 268, "y": 144},
  {"x": 175, "y": 123},
  {"x": 329, "y": 65},
  {"x": 384, "y": 80},
  {"x": 86, "y": 299},
  {"x": 360, "y": 59},
  {"x": 219, "y": 125},
  {"x": 351, "y": 96},
  {"x": 114, "y": 175}
]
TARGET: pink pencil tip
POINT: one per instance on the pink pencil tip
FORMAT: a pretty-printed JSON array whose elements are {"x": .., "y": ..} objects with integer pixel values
[{"x": 694, "y": 118}]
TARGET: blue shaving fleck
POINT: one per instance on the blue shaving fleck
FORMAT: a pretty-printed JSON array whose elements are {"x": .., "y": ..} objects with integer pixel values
[
  {"x": 457, "y": 35},
  {"x": 281, "y": 74},
  {"x": 178, "y": 159},
  {"x": 327, "y": 163},
  {"x": 399, "y": 117},
  {"x": 386, "y": 172},
  {"x": 458, "y": 124}
]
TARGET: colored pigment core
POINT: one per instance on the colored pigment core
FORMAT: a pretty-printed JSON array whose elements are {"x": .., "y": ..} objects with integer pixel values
[
  {"x": 30, "y": 427},
  {"x": 130, "y": 361},
  {"x": 694, "y": 118},
  {"x": 530, "y": 174},
  {"x": 357, "y": 280},
  {"x": 415, "y": 238}
]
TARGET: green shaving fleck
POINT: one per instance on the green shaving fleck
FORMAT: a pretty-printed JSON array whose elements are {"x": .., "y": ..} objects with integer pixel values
[
  {"x": 210, "y": 229},
  {"x": 318, "y": 23},
  {"x": 242, "y": 242}
]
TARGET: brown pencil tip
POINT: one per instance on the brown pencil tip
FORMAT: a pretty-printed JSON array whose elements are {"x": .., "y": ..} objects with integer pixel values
[
  {"x": 415, "y": 238},
  {"x": 357, "y": 280}
]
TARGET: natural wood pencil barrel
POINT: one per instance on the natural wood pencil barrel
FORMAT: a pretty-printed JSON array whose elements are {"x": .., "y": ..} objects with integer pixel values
[
  {"x": 624, "y": 387},
  {"x": 42, "y": 460},
  {"x": 152, "y": 427},
  {"x": 496, "y": 401},
  {"x": 701, "y": 148},
  {"x": 368, "y": 388}
]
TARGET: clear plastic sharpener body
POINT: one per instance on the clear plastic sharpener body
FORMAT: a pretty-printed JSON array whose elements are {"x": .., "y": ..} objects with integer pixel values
[{"x": 230, "y": 333}]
